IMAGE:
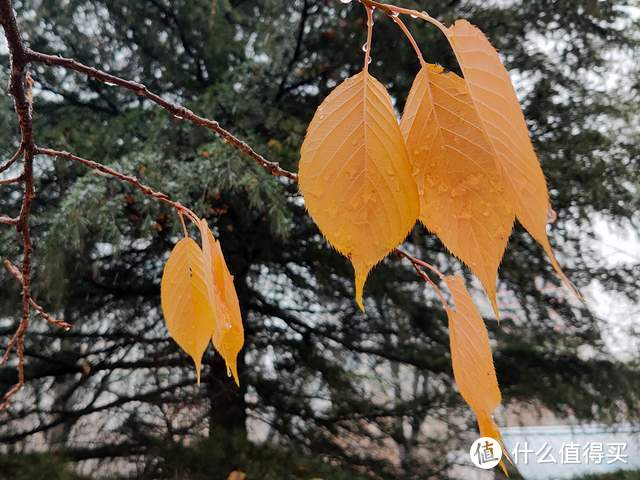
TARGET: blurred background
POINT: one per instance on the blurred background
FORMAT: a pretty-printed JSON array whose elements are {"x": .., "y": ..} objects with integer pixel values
[{"x": 326, "y": 391}]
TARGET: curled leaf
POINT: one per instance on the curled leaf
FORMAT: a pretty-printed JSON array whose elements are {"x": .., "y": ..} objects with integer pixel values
[
  {"x": 228, "y": 333},
  {"x": 471, "y": 357}
]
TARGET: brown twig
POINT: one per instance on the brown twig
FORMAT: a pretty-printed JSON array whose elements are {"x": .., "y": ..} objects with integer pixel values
[
  {"x": 417, "y": 266},
  {"x": 392, "y": 10},
  {"x": 49, "y": 319},
  {"x": 176, "y": 110},
  {"x": 4, "y": 220},
  {"x": 9, "y": 181},
  {"x": 13, "y": 158},
  {"x": 20, "y": 84},
  {"x": 120, "y": 176}
]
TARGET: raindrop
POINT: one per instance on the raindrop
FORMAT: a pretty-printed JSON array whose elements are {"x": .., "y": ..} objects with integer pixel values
[
  {"x": 345, "y": 1},
  {"x": 110, "y": 84},
  {"x": 364, "y": 47},
  {"x": 413, "y": 16},
  {"x": 395, "y": 14},
  {"x": 228, "y": 371}
]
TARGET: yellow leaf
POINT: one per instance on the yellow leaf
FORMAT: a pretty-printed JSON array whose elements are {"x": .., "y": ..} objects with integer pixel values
[
  {"x": 504, "y": 124},
  {"x": 460, "y": 186},
  {"x": 471, "y": 357},
  {"x": 355, "y": 174},
  {"x": 228, "y": 334},
  {"x": 184, "y": 299},
  {"x": 237, "y": 475}
]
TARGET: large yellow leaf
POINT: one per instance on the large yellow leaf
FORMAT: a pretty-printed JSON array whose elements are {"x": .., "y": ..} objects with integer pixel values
[
  {"x": 185, "y": 302},
  {"x": 355, "y": 174},
  {"x": 502, "y": 119},
  {"x": 228, "y": 335},
  {"x": 460, "y": 186},
  {"x": 471, "y": 357}
]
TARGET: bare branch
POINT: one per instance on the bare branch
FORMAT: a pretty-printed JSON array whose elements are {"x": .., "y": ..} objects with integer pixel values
[
  {"x": 9, "y": 181},
  {"x": 176, "y": 110},
  {"x": 20, "y": 89},
  {"x": 13, "y": 158},
  {"x": 4, "y": 220},
  {"x": 120, "y": 176},
  {"x": 18, "y": 276}
]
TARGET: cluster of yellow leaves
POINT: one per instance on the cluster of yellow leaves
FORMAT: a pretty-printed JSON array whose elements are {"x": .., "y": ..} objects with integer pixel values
[
  {"x": 460, "y": 161},
  {"x": 199, "y": 301}
]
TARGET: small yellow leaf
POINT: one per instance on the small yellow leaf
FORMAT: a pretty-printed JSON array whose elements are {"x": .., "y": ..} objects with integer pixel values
[
  {"x": 237, "y": 475},
  {"x": 506, "y": 130},
  {"x": 184, "y": 299},
  {"x": 355, "y": 174},
  {"x": 471, "y": 357},
  {"x": 228, "y": 334},
  {"x": 459, "y": 183}
]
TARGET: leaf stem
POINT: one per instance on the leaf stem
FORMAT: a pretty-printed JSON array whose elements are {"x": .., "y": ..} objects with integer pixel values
[
  {"x": 367, "y": 52},
  {"x": 398, "y": 21}
]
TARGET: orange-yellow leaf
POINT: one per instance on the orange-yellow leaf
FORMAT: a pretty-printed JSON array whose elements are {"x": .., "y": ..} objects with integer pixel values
[
  {"x": 185, "y": 302},
  {"x": 355, "y": 174},
  {"x": 228, "y": 335},
  {"x": 462, "y": 198},
  {"x": 504, "y": 124},
  {"x": 471, "y": 358}
]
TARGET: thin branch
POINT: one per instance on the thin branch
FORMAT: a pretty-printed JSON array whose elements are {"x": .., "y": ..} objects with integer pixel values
[
  {"x": 9, "y": 181},
  {"x": 392, "y": 9},
  {"x": 417, "y": 266},
  {"x": 13, "y": 158},
  {"x": 175, "y": 109},
  {"x": 4, "y": 220},
  {"x": 120, "y": 176},
  {"x": 49, "y": 319},
  {"x": 20, "y": 85}
]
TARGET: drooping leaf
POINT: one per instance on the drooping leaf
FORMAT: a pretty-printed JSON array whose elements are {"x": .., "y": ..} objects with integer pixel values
[
  {"x": 462, "y": 198},
  {"x": 184, "y": 298},
  {"x": 471, "y": 357},
  {"x": 506, "y": 130},
  {"x": 355, "y": 174},
  {"x": 228, "y": 334}
]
